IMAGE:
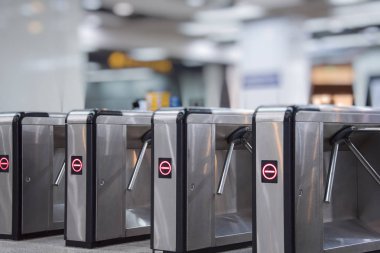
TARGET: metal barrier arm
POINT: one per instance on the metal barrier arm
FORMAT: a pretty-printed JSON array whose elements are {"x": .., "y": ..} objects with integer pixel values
[
  {"x": 58, "y": 180},
  {"x": 344, "y": 136},
  {"x": 363, "y": 161},
  {"x": 331, "y": 175},
  {"x": 146, "y": 139},
  {"x": 247, "y": 145},
  {"x": 235, "y": 138}
]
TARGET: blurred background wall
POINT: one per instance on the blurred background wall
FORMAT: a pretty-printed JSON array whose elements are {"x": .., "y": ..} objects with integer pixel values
[{"x": 41, "y": 63}]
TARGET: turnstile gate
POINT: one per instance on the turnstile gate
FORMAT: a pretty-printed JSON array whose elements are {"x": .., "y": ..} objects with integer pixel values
[
  {"x": 317, "y": 180},
  {"x": 32, "y": 158},
  {"x": 108, "y": 178},
  {"x": 201, "y": 180}
]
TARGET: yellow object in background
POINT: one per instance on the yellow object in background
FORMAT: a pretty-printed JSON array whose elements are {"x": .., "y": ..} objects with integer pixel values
[
  {"x": 158, "y": 99},
  {"x": 119, "y": 60}
]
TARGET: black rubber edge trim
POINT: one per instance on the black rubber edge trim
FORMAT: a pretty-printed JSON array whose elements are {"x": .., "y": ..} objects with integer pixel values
[
  {"x": 152, "y": 185},
  {"x": 91, "y": 245},
  {"x": 91, "y": 178},
  {"x": 289, "y": 163},
  {"x": 32, "y": 235},
  {"x": 66, "y": 177},
  {"x": 110, "y": 113},
  {"x": 36, "y": 114},
  {"x": 254, "y": 217},
  {"x": 341, "y": 134},
  {"x": 181, "y": 183},
  {"x": 181, "y": 155},
  {"x": 17, "y": 177}
]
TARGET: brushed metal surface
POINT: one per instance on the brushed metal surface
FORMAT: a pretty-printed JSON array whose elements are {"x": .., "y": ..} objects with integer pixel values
[
  {"x": 233, "y": 225},
  {"x": 137, "y": 201},
  {"x": 350, "y": 236},
  {"x": 137, "y": 218},
  {"x": 110, "y": 181},
  {"x": 37, "y": 161},
  {"x": 79, "y": 116},
  {"x": 130, "y": 117},
  {"x": 222, "y": 116},
  {"x": 351, "y": 117},
  {"x": 76, "y": 184},
  {"x": 308, "y": 176},
  {"x": 56, "y": 120},
  {"x": 368, "y": 190},
  {"x": 233, "y": 209},
  {"x": 224, "y": 219},
  {"x": 6, "y": 118},
  {"x": 59, "y": 139},
  {"x": 344, "y": 199},
  {"x": 353, "y": 221},
  {"x": 200, "y": 186},
  {"x": 350, "y": 223},
  {"x": 6, "y": 180},
  {"x": 165, "y": 146},
  {"x": 270, "y": 197},
  {"x": 119, "y": 212}
]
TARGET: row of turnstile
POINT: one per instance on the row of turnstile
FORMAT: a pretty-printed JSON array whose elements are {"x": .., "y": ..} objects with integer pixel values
[{"x": 279, "y": 179}]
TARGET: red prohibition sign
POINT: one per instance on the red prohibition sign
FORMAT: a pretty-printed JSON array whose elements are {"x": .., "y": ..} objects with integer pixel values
[
  {"x": 165, "y": 168},
  {"x": 269, "y": 171},
  {"x": 4, "y": 163},
  {"x": 76, "y": 165}
]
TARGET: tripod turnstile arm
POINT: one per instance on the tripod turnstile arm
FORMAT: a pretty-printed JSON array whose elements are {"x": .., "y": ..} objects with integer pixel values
[
  {"x": 146, "y": 139},
  {"x": 363, "y": 161},
  {"x": 344, "y": 136},
  {"x": 225, "y": 169},
  {"x": 331, "y": 175},
  {"x": 58, "y": 180},
  {"x": 137, "y": 166},
  {"x": 239, "y": 136},
  {"x": 247, "y": 145}
]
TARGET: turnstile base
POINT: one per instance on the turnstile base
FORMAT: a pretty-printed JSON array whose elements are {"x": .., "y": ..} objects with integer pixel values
[
  {"x": 219, "y": 248},
  {"x": 349, "y": 236},
  {"x": 91, "y": 245},
  {"x": 32, "y": 235},
  {"x": 233, "y": 223}
]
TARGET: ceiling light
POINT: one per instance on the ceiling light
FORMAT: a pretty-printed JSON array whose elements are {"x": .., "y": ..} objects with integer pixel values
[
  {"x": 345, "y": 2},
  {"x": 123, "y": 9},
  {"x": 235, "y": 13},
  {"x": 195, "y": 3},
  {"x": 197, "y": 29},
  {"x": 91, "y": 5}
]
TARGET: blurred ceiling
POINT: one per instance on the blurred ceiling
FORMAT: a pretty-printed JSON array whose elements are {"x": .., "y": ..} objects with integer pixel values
[
  {"x": 167, "y": 9},
  {"x": 208, "y": 30},
  {"x": 187, "y": 9}
]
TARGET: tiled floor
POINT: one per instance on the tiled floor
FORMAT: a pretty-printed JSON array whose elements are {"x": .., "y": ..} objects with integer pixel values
[{"x": 56, "y": 244}]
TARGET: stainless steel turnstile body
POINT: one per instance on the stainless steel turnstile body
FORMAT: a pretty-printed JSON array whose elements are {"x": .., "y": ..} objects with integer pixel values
[
  {"x": 317, "y": 180},
  {"x": 32, "y": 153},
  {"x": 108, "y": 178},
  {"x": 201, "y": 180}
]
